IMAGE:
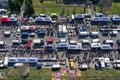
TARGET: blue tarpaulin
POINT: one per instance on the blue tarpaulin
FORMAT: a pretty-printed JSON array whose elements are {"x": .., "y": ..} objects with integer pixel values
[
  {"x": 116, "y": 18},
  {"x": 24, "y": 33},
  {"x": 38, "y": 19},
  {"x": 79, "y": 16},
  {"x": 62, "y": 45},
  {"x": 72, "y": 47},
  {"x": 83, "y": 29},
  {"x": 106, "y": 47},
  {"x": 96, "y": 19},
  {"x": 106, "y": 19}
]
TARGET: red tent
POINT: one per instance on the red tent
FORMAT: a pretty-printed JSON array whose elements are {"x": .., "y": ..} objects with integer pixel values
[
  {"x": 4, "y": 19},
  {"x": 25, "y": 19},
  {"x": 49, "y": 40},
  {"x": 32, "y": 27},
  {"x": 29, "y": 44}
]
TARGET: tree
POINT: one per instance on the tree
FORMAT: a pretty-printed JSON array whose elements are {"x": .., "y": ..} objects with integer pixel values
[
  {"x": 29, "y": 7},
  {"x": 104, "y": 4},
  {"x": 15, "y": 5}
]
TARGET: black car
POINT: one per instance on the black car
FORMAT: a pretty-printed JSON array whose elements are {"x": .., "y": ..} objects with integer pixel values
[
  {"x": 42, "y": 42},
  {"x": 24, "y": 41}
]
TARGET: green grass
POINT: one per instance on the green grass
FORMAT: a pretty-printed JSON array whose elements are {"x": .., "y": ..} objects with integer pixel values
[
  {"x": 114, "y": 10},
  {"x": 51, "y": 7},
  {"x": 42, "y": 74},
  {"x": 91, "y": 74}
]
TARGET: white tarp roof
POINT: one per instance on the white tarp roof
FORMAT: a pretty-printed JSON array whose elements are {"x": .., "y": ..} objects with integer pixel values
[
  {"x": 95, "y": 45},
  {"x": 13, "y": 19},
  {"x": 84, "y": 33},
  {"x": 56, "y": 66},
  {"x": 107, "y": 60},
  {"x": 36, "y": 41},
  {"x": 4, "y": 16},
  {"x": 62, "y": 40},
  {"x": 94, "y": 33},
  {"x": 80, "y": 46},
  {"x": 18, "y": 64},
  {"x": 95, "y": 40},
  {"x": 85, "y": 41},
  {"x": 105, "y": 46},
  {"x": 60, "y": 28},
  {"x": 24, "y": 27},
  {"x": 2, "y": 42},
  {"x": 72, "y": 42},
  {"x": 64, "y": 29},
  {"x": 115, "y": 32},
  {"x": 84, "y": 66},
  {"x": 15, "y": 41},
  {"x": 7, "y": 32},
  {"x": 109, "y": 41}
]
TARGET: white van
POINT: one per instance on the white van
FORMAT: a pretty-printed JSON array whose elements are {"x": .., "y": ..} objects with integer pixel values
[
  {"x": 7, "y": 33},
  {"x": 111, "y": 42},
  {"x": 18, "y": 31}
]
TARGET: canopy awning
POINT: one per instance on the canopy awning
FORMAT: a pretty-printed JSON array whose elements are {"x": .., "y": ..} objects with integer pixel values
[
  {"x": 32, "y": 27},
  {"x": 24, "y": 27},
  {"x": 105, "y": 19},
  {"x": 25, "y": 19},
  {"x": 63, "y": 45},
  {"x": 15, "y": 41},
  {"x": 56, "y": 66},
  {"x": 39, "y": 19},
  {"x": 79, "y": 16},
  {"x": 36, "y": 41},
  {"x": 72, "y": 47},
  {"x": 116, "y": 18},
  {"x": 95, "y": 45},
  {"x": 24, "y": 33},
  {"x": 106, "y": 47},
  {"x": 87, "y": 15},
  {"x": 49, "y": 40},
  {"x": 4, "y": 19},
  {"x": 13, "y": 19},
  {"x": 96, "y": 19}
]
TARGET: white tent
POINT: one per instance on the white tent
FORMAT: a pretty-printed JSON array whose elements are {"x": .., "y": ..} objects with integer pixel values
[
  {"x": 54, "y": 66},
  {"x": 85, "y": 41},
  {"x": 62, "y": 40},
  {"x": 80, "y": 46},
  {"x": 106, "y": 47},
  {"x": 36, "y": 41},
  {"x": 60, "y": 28},
  {"x": 18, "y": 64},
  {"x": 64, "y": 29},
  {"x": 95, "y": 33},
  {"x": 109, "y": 42},
  {"x": 6, "y": 61},
  {"x": 72, "y": 42},
  {"x": 7, "y": 32},
  {"x": 84, "y": 33},
  {"x": 2, "y": 42},
  {"x": 107, "y": 60},
  {"x": 15, "y": 41},
  {"x": 115, "y": 32},
  {"x": 95, "y": 45},
  {"x": 24, "y": 27},
  {"x": 95, "y": 41}
]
